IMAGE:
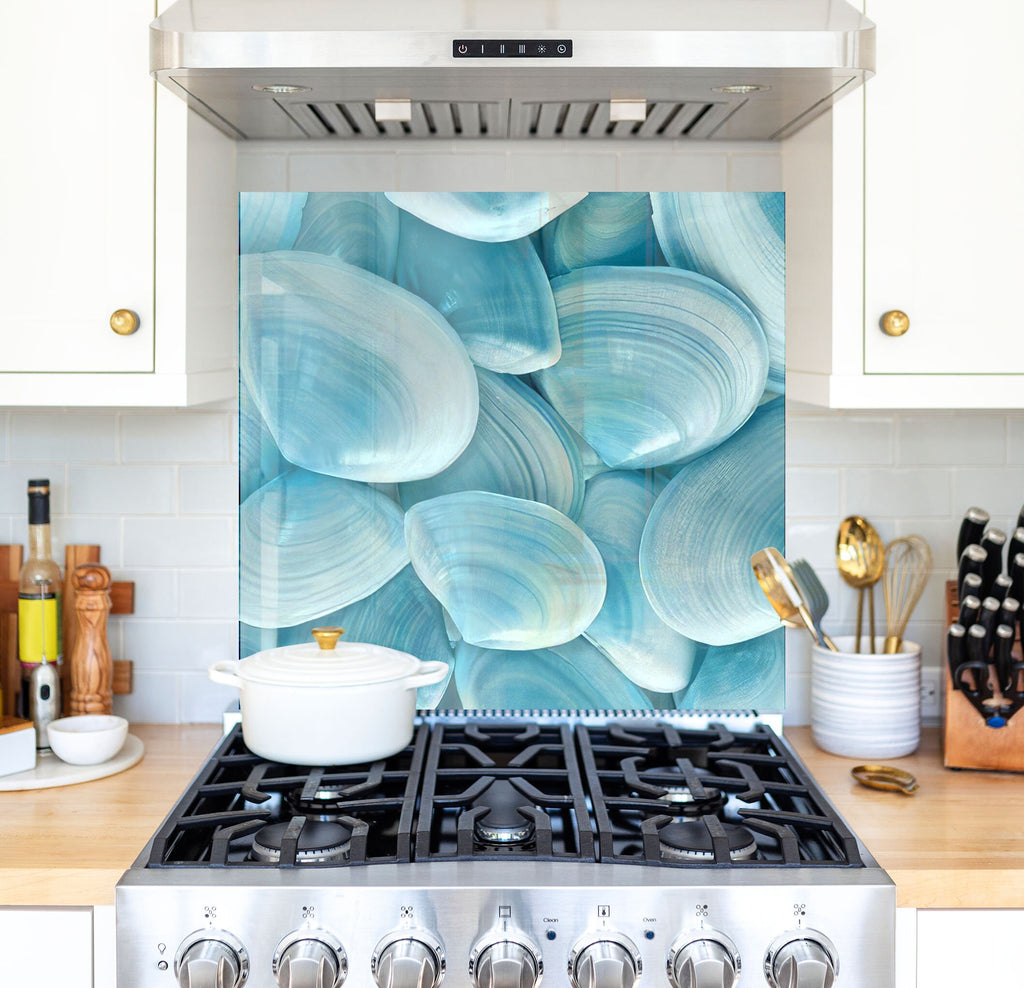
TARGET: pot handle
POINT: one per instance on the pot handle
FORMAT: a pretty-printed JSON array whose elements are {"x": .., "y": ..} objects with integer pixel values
[
  {"x": 430, "y": 673},
  {"x": 224, "y": 672}
]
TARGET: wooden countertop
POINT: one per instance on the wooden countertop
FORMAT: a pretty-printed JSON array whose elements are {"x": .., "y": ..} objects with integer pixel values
[{"x": 958, "y": 843}]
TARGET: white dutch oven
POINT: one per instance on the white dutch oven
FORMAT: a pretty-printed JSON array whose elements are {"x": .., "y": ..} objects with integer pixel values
[{"x": 325, "y": 703}]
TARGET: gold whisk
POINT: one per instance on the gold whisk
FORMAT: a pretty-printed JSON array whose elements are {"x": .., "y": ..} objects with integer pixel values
[{"x": 908, "y": 562}]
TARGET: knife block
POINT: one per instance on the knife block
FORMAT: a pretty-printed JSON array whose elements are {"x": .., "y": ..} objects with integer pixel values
[{"x": 967, "y": 741}]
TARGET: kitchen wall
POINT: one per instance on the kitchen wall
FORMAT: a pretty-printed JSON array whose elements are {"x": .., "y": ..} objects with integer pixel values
[{"x": 158, "y": 490}]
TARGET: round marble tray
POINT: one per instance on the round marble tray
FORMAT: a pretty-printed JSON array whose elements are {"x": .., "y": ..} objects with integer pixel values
[{"x": 50, "y": 771}]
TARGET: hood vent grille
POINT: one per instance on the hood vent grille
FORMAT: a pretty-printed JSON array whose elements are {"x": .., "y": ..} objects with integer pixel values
[{"x": 355, "y": 120}]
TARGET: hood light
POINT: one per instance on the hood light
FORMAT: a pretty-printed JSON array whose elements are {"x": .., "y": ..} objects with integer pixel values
[
  {"x": 741, "y": 89},
  {"x": 282, "y": 90}
]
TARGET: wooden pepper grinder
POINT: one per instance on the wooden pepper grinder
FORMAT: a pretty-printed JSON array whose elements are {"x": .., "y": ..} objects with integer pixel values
[{"x": 92, "y": 670}]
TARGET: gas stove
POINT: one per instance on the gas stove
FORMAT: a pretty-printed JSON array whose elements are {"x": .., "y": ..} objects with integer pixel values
[{"x": 497, "y": 852}]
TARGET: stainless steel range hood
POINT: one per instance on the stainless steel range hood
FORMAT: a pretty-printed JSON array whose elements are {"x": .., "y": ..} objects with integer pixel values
[{"x": 347, "y": 69}]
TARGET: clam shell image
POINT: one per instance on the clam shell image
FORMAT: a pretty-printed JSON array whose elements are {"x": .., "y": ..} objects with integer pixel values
[
  {"x": 360, "y": 228},
  {"x": 309, "y": 544},
  {"x": 512, "y": 574},
  {"x": 714, "y": 514},
  {"x": 269, "y": 220},
  {"x": 354, "y": 376},
  {"x": 493, "y": 217},
  {"x": 658, "y": 365}
]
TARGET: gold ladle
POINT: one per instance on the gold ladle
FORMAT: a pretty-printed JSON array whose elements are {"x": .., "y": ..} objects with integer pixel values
[{"x": 860, "y": 558}]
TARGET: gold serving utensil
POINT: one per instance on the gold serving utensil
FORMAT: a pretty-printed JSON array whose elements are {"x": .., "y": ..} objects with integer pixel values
[
  {"x": 885, "y": 777},
  {"x": 776, "y": 580},
  {"x": 860, "y": 558}
]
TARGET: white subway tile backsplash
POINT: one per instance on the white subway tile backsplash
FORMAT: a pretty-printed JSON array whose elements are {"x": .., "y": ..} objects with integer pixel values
[
  {"x": 14, "y": 480},
  {"x": 838, "y": 440},
  {"x": 104, "y": 531},
  {"x": 179, "y": 542},
  {"x": 812, "y": 540},
  {"x": 812, "y": 492},
  {"x": 261, "y": 171},
  {"x": 175, "y": 437},
  {"x": 203, "y": 701},
  {"x": 211, "y": 490},
  {"x": 373, "y": 172},
  {"x": 999, "y": 490},
  {"x": 156, "y": 592},
  {"x": 76, "y": 437},
  {"x": 1015, "y": 439},
  {"x": 121, "y": 490},
  {"x": 209, "y": 593},
  {"x": 593, "y": 172},
  {"x": 466, "y": 172},
  {"x": 755, "y": 172},
  {"x": 155, "y": 698},
  {"x": 652, "y": 171},
  {"x": 895, "y": 492},
  {"x": 179, "y": 645},
  {"x": 979, "y": 439}
]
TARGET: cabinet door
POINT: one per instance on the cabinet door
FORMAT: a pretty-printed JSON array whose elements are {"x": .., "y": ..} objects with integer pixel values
[
  {"x": 944, "y": 193},
  {"x": 968, "y": 947},
  {"x": 46, "y": 948},
  {"x": 76, "y": 195}
]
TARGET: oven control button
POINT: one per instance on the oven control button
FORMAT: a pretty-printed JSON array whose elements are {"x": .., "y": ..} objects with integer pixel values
[
  {"x": 211, "y": 959},
  {"x": 408, "y": 959},
  {"x": 605, "y": 960},
  {"x": 506, "y": 963},
  {"x": 310, "y": 959},
  {"x": 709, "y": 960},
  {"x": 801, "y": 959}
]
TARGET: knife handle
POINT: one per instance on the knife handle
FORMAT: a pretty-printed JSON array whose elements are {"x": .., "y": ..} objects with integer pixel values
[
  {"x": 977, "y": 661},
  {"x": 1009, "y": 612},
  {"x": 1001, "y": 587},
  {"x": 970, "y": 607},
  {"x": 972, "y": 560},
  {"x": 988, "y": 618},
  {"x": 1016, "y": 545},
  {"x": 1016, "y": 573},
  {"x": 992, "y": 542},
  {"x": 956, "y": 650},
  {"x": 1004, "y": 643},
  {"x": 973, "y": 524}
]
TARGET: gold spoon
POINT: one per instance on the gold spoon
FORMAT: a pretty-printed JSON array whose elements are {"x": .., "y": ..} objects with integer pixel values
[
  {"x": 775, "y": 578},
  {"x": 860, "y": 558}
]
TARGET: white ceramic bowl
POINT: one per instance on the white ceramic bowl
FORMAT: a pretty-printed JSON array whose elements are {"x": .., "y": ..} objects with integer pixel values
[{"x": 88, "y": 739}]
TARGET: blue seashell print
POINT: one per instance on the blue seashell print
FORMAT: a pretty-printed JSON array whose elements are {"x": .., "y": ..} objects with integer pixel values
[
  {"x": 512, "y": 574},
  {"x": 309, "y": 544},
  {"x": 269, "y": 220},
  {"x": 658, "y": 365},
  {"x": 607, "y": 228},
  {"x": 495, "y": 295},
  {"x": 627, "y": 630},
  {"x": 259, "y": 459},
  {"x": 400, "y": 615},
  {"x": 354, "y": 376},
  {"x": 750, "y": 675},
  {"x": 521, "y": 448},
  {"x": 571, "y": 676},
  {"x": 739, "y": 239},
  {"x": 715, "y": 513},
  {"x": 490, "y": 216},
  {"x": 360, "y": 228}
]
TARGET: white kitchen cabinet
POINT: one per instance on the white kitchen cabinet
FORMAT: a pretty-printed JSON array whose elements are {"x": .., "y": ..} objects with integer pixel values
[
  {"x": 908, "y": 197},
  {"x": 47, "y": 947},
  {"x": 968, "y": 947},
  {"x": 114, "y": 197}
]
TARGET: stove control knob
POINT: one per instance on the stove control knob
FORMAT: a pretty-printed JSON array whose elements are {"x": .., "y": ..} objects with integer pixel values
[
  {"x": 211, "y": 959},
  {"x": 409, "y": 959},
  {"x": 310, "y": 959},
  {"x": 801, "y": 959},
  {"x": 511, "y": 963},
  {"x": 709, "y": 960},
  {"x": 608, "y": 960}
]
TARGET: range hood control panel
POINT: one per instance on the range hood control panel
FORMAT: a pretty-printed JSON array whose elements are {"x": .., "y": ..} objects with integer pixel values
[{"x": 515, "y": 48}]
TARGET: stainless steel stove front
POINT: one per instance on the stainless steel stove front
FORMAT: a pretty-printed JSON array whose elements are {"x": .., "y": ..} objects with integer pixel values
[{"x": 496, "y": 923}]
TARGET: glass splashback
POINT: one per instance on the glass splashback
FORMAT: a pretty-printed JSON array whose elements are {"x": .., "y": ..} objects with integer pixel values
[{"x": 536, "y": 436}]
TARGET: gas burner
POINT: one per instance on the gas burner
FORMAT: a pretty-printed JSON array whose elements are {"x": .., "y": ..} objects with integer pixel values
[
  {"x": 319, "y": 843},
  {"x": 691, "y": 841},
  {"x": 502, "y": 824},
  {"x": 327, "y": 803}
]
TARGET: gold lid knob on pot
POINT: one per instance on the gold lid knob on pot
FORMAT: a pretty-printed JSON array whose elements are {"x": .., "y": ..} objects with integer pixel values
[
  {"x": 327, "y": 638},
  {"x": 124, "y": 322},
  {"x": 895, "y": 323}
]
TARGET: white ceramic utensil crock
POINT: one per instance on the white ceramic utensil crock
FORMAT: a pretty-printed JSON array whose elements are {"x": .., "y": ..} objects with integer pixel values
[{"x": 325, "y": 702}]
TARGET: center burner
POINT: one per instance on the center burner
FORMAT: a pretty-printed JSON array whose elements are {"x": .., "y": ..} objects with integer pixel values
[{"x": 641, "y": 792}]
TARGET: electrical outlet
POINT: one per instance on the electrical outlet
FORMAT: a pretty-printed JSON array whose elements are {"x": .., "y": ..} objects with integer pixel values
[{"x": 931, "y": 694}]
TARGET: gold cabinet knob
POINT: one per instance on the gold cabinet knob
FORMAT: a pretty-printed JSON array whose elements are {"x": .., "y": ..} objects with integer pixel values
[
  {"x": 327, "y": 638},
  {"x": 895, "y": 323},
  {"x": 124, "y": 322}
]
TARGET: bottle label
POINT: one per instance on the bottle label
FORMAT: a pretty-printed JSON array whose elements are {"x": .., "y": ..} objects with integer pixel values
[{"x": 38, "y": 623}]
